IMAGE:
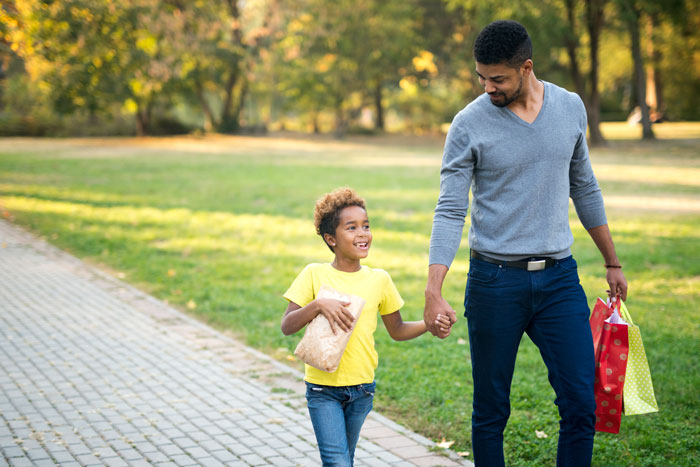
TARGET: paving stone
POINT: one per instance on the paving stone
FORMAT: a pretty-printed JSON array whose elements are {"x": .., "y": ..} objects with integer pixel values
[
  {"x": 183, "y": 460},
  {"x": 20, "y": 462},
  {"x": 94, "y": 372},
  {"x": 13, "y": 451},
  {"x": 114, "y": 462}
]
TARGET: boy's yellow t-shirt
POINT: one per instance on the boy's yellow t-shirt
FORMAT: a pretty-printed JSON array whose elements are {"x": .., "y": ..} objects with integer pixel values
[{"x": 376, "y": 287}]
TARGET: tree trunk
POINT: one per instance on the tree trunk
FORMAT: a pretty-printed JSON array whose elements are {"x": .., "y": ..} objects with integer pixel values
[
  {"x": 571, "y": 47},
  {"x": 379, "y": 122},
  {"x": 656, "y": 65},
  {"x": 226, "y": 123},
  {"x": 240, "y": 101},
  {"x": 640, "y": 79},
  {"x": 206, "y": 109},
  {"x": 594, "y": 18},
  {"x": 340, "y": 122},
  {"x": 314, "y": 121},
  {"x": 143, "y": 118},
  {"x": 4, "y": 65}
]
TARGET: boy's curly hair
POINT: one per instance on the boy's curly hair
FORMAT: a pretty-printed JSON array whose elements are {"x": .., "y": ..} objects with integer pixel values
[{"x": 328, "y": 207}]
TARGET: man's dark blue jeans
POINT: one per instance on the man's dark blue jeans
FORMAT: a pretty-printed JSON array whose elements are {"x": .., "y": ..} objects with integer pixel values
[{"x": 501, "y": 304}]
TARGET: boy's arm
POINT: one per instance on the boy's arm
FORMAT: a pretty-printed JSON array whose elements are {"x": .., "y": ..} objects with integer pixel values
[
  {"x": 296, "y": 317},
  {"x": 401, "y": 330}
]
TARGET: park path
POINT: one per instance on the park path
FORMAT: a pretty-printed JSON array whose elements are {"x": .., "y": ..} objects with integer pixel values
[{"x": 96, "y": 372}]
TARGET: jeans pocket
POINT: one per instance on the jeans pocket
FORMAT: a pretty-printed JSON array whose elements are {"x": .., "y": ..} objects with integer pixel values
[
  {"x": 568, "y": 264},
  {"x": 483, "y": 272},
  {"x": 314, "y": 390},
  {"x": 369, "y": 388}
]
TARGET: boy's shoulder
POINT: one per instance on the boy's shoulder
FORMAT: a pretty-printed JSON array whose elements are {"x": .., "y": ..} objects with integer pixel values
[
  {"x": 378, "y": 272},
  {"x": 315, "y": 266}
]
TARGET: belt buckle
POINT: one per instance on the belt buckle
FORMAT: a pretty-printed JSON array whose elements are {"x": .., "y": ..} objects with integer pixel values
[{"x": 536, "y": 265}]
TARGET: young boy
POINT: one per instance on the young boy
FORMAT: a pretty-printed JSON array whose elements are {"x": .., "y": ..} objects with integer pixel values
[{"x": 338, "y": 402}]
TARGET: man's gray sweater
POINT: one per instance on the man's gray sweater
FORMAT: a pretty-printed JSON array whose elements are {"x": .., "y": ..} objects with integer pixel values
[{"x": 521, "y": 176}]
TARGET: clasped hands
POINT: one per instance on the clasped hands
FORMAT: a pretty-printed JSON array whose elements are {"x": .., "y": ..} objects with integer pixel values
[{"x": 439, "y": 316}]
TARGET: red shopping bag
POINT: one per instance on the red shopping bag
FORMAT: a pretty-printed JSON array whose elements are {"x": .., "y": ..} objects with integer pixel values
[
  {"x": 601, "y": 312},
  {"x": 610, "y": 334}
]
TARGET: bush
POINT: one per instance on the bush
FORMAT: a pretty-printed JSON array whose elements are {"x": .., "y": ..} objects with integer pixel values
[{"x": 17, "y": 125}]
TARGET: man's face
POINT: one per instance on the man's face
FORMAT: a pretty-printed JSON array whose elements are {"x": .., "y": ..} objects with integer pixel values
[{"x": 501, "y": 82}]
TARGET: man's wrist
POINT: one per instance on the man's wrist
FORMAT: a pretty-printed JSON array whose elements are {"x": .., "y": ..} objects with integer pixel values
[{"x": 433, "y": 293}]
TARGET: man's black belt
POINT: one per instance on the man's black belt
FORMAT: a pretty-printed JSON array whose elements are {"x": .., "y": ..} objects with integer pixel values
[{"x": 529, "y": 264}]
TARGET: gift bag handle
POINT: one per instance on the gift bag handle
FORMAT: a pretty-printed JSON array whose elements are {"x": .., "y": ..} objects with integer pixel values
[
  {"x": 615, "y": 304},
  {"x": 624, "y": 313}
]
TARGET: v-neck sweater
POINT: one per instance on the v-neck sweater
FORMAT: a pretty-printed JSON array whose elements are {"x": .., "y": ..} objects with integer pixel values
[{"x": 521, "y": 175}]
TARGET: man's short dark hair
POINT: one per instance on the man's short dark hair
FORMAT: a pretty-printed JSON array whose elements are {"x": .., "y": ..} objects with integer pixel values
[{"x": 503, "y": 42}]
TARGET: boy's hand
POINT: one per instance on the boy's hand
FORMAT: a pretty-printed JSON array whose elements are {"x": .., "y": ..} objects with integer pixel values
[
  {"x": 336, "y": 313},
  {"x": 443, "y": 326},
  {"x": 436, "y": 306}
]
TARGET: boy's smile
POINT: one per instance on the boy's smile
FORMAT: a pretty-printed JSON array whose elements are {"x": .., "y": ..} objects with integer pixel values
[{"x": 352, "y": 238}]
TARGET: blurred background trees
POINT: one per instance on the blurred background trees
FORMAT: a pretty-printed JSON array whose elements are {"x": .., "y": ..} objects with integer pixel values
[{"x": 102, "y": 67}]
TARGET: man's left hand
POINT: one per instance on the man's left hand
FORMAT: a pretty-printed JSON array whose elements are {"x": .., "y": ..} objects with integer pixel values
[{"x": 617, "y": 282}]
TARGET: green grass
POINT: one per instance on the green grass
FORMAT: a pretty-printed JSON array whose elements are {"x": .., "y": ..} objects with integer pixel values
[{"x": 220, "y": 226}]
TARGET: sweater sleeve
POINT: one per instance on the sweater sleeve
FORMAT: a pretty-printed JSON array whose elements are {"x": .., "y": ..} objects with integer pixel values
[
  {"x": 455, "y": 180},
  {"x": 584, "y": 189}
]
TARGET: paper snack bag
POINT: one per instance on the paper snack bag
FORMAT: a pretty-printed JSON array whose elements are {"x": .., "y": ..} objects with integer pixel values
[{"x": 319, "y": 347}]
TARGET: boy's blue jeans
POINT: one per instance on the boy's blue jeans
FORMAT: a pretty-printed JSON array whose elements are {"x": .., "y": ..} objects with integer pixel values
[
  {"x": 337, "y": 414},
  {"x": 502, "y": 303}
]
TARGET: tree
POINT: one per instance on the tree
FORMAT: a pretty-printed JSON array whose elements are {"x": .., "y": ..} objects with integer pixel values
[
  {"x": 631, "y": 14},
  {"x": 594, "y": 23}
]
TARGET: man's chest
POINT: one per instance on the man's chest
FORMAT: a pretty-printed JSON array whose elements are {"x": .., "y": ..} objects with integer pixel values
[{"x": 525, "y": 146}]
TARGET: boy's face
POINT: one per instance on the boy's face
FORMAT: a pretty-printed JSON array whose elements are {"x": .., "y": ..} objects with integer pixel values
[{"x": 352, "y": 237}]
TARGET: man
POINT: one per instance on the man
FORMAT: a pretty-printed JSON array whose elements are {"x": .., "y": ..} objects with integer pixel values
[{"x": 521, "y": 147}]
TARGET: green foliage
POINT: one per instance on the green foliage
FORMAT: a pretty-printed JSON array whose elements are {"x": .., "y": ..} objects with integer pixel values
[
  {"x": 312, "y": 65},
  {"x": 219, "y": 227}
]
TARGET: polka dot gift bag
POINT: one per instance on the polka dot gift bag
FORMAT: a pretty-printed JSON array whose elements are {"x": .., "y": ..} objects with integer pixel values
[
  {"x": 611, "y": 354},
  {"x": 638, "y": 392}
]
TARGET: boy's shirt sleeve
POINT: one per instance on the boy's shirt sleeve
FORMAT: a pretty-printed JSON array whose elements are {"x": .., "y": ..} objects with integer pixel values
[
  {"x": 301, "y": 291},
  {"x": 391, "y": 299}
]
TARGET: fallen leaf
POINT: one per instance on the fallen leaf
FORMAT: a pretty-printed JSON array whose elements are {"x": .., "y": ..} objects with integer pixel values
[
  {"x": 445, "y": 444},
  {"x": 463, "y": 453},
  {"x": 291, "y": 358},
  {"x": 172, "y": 273},
  {"x": 191, "y": 305},
  {"x": 540, "y": 434}
]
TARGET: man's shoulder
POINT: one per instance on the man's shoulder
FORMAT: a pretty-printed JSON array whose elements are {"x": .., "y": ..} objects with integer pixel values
[
  {"x": 474, "y": 114},
  {"x": 475, "y": 109},
  {"x": 562, "y": 95}
]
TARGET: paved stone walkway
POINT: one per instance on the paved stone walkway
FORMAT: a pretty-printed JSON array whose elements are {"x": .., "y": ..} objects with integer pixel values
[{"x": 95, "y": 372}]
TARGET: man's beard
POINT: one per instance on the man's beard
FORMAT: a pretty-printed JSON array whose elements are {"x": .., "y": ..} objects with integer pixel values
[{"x": 508, "y": 99}]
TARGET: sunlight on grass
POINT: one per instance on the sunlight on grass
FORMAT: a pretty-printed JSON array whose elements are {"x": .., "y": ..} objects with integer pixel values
[
  {"x": 666, "y": 130},
  {"x": 680, "y": 204},
  {"x": 219, "y": 226},
  {"x": 254, "y": 236},
  {"x": 648, "y": 175}
]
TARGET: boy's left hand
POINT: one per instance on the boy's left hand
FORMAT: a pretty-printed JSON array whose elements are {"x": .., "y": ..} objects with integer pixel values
[{"x": 443, "y": 325}]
